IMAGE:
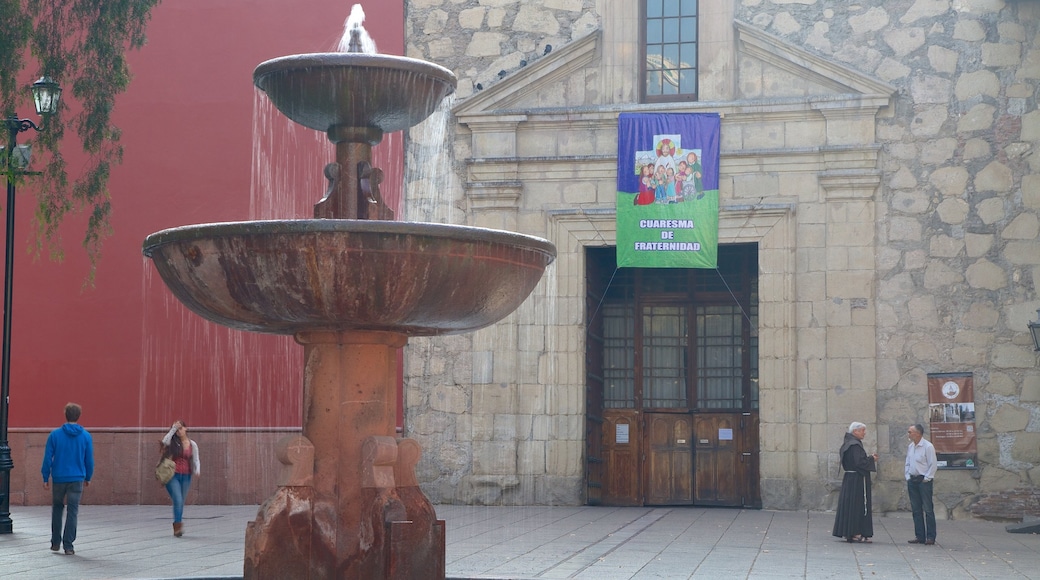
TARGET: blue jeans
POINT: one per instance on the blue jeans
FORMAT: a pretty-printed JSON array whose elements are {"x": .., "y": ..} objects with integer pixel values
[
  {"x": 921, "y": 505},
  {"x": 62, "y": 493},
  {"x": 178, "y": 489}
]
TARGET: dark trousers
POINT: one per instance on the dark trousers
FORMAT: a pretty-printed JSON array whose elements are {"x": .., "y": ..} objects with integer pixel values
[
  {"x": 62, "y": 494},
  {"x": 921, "y": 505}
]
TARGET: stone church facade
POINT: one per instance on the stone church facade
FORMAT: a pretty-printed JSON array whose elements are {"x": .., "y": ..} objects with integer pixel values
[{"x": 884, "y": 157}]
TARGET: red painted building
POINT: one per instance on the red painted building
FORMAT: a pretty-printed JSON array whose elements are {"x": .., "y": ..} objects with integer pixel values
[{"x": 201, "y": 145}]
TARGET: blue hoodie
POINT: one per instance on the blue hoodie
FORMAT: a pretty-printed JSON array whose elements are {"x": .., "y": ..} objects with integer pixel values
[{"x": 69, "y": 455}]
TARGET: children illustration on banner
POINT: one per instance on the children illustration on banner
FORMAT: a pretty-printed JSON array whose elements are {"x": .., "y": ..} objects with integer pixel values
[{"x": 668, "y": 174}]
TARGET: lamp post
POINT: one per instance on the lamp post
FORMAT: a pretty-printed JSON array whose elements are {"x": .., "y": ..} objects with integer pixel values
[
  {"x": 1034, "y": 329},
  {"x": 46, "y": 93}
]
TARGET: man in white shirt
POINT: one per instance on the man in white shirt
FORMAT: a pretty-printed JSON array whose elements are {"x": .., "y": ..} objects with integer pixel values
[{"x": 919, "y": 472}]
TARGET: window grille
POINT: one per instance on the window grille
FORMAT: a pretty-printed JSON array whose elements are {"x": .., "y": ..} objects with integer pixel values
[
  {"x": 670, "y": 48},
  {"x": 619, "y": 347}
]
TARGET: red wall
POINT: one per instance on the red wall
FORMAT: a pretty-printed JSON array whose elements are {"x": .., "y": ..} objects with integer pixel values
[{"x": 126, "y": 349}]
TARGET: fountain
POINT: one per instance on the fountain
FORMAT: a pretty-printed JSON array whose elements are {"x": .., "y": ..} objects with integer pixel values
[{"x": 351, "y": 286}]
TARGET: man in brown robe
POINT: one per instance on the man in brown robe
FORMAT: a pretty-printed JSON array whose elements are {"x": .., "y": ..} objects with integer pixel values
[{"x": 854, "y": 520}]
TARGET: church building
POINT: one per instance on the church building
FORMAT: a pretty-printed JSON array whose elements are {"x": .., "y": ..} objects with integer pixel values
[{"x": 878, "y": 190}]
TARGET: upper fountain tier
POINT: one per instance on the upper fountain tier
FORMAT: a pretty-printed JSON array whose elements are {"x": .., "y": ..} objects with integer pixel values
[
  {"x": 347, "y": 94},
  {"x": 340, "y": 273}
]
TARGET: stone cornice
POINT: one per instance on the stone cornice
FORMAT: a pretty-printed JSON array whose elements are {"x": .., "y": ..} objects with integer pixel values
[
  {"x": 850, "y": 184},
  {"x": 740, "y": 111},
  {"x": 493, "y": 195},
  {"x": 840, "y": 162},
  {"x": 485, "y": 120},
  {"x": 575, "y": 227}
]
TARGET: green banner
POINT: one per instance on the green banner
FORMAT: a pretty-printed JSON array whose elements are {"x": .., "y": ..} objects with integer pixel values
[
  {"x": 679, "y": 235},
  {"x": 668, "y": 196}
]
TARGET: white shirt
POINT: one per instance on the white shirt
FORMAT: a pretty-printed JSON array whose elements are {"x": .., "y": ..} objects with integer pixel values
[{"x": 920, "y": 460}]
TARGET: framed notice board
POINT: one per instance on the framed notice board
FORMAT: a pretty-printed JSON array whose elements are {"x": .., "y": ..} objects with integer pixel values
[{"x": 951, "y": 419}]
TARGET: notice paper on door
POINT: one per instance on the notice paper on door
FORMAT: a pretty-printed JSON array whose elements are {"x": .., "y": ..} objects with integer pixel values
[
  {"x": 725, "y": 434},
  {"x": 621, "y": 433}
]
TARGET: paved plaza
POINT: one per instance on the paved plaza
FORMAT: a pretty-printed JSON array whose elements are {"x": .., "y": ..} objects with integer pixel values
[{"x": 117, "y": 542}]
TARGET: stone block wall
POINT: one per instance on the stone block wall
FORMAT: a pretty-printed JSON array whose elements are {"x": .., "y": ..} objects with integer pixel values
[
  {"x": 898, "y": 229},
  {"x": 958, "y": 258}
]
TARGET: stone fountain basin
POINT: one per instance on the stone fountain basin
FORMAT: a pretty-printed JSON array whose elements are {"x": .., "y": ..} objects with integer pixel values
[
  {"x": 347, "y": 89},
  {"x": 290, "y": 276}
]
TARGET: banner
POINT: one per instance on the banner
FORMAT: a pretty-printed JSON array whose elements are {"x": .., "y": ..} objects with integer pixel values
[
  {"x": 668, "y": 190},
  {"x": 951, "y": 418}
]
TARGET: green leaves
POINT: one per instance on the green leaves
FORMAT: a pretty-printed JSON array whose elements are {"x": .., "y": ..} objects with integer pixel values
[{"x": 81, "y": 44}]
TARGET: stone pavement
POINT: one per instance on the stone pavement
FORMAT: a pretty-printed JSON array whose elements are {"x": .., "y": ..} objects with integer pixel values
[{"x": 117, "y": 542}]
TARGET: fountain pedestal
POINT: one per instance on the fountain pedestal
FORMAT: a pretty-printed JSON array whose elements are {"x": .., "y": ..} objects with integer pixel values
[{"x": 358, "y": 511}]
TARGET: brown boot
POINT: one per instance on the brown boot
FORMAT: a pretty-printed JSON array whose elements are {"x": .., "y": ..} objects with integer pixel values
[{"x": 178, "y": 529}]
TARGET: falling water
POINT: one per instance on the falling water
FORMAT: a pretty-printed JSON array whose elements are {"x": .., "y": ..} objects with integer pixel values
[
  {"x": 389, "y": 156},
  {"x": 232, "y": 388},
  {"x": 246, "y": 385},
  {"x": 432, "y": 192},
  {"x": 288, "y": 163}
]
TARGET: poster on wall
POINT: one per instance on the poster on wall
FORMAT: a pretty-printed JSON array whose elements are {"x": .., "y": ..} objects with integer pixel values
[
  {"x": 951, "y": 418},
  {"x": 668, "y": 190}
]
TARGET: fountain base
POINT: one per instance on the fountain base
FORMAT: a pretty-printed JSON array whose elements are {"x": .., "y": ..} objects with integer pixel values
[
  {"x": 288, "y": 539},
  {"x": 348, "y": 503}
]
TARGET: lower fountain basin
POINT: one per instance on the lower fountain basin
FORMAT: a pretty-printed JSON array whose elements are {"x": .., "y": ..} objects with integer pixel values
[{"x": 289, "y": 276}]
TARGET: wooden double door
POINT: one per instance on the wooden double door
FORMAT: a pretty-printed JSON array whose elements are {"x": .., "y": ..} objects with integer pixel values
[
  {"x": 672, "y": 383},
  {"x": 667, "y": 458}
]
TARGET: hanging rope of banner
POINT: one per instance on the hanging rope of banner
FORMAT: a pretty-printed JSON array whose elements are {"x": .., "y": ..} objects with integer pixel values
[
  {"x": 732, "y": 295},
  {"x": 721, "y": 277},
  {"x": 604, "y": 296}
]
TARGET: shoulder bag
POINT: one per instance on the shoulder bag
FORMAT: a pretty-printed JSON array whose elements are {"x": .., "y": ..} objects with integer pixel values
[{"x": 164, "y": 470}]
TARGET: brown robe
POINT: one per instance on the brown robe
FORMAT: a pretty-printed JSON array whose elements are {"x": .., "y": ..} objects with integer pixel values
[{"x": 854, "y": 517}]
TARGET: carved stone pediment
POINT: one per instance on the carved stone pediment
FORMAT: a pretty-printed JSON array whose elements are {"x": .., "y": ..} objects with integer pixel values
[
  {"x": 769, "y": 69},
  {"x": 763, "y": 56},
  {"x": 535, "y": 128},
  {"x": 556, "y": 80}
]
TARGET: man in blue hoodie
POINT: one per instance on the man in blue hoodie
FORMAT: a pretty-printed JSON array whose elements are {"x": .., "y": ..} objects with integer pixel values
[{"x": 69, "y": 459}]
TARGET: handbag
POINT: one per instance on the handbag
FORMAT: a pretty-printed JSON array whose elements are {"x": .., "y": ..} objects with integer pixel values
[{"x": 164, "y": 470}]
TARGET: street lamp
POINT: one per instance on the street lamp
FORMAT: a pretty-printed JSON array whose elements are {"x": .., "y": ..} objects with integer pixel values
[
  {"x": 1034, "y": 329},
  {"x": 46, "y": 93}
]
